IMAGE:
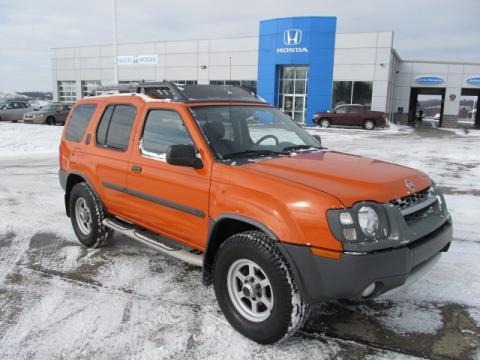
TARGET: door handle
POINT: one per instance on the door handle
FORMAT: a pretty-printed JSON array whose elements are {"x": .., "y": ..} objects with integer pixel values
[{"x": 136, "y": 168}]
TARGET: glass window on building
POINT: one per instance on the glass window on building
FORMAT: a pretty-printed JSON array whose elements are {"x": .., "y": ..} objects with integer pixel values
[
  {"x": 352, "y": 92},
  {"x": 362, "y": 93},
  {"x": 67, "y": 91},
  {"x": 292, "y": 91},
  {"x": 184, "y": 82},
  {"x": 89, "y": 87}
]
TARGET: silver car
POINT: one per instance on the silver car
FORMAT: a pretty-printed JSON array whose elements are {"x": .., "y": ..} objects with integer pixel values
[
  {"x": 13, "y": 110},
  {"x": 51, "y": 114}
]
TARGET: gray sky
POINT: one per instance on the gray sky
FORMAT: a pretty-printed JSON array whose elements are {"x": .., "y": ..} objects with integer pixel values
[{"x": 424, "y": 29}]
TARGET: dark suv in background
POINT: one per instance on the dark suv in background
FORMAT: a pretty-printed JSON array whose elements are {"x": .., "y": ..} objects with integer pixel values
[{"x": 351, "y": 115}]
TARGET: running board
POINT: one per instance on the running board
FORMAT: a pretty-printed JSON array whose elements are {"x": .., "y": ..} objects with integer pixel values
[{"x": 143, "y": 237}]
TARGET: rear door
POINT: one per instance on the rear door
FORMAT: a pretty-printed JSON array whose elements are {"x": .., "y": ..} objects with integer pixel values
[
  {"x": 108, "y": 152},
  {"x": 354, "y": 116},
  {"x": 62, "y": 113},
  {"x": 171, "y": 200}
]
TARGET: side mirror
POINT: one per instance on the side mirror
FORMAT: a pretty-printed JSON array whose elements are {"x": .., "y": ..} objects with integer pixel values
[
  {"x": 183, "y": 155},
  {"x": 318, "y": 138}
]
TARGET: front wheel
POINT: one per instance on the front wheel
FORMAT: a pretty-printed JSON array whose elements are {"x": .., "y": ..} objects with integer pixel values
[
  {"x": 368, "y": 125},
  {"x": 255, "y": 288},
  {"x": 325, "y": 123},
  {"x": 51, "y": 121}
]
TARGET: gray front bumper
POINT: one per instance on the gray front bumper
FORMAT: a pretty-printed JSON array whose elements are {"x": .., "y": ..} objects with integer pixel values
[{"x": 323, "y": 279}]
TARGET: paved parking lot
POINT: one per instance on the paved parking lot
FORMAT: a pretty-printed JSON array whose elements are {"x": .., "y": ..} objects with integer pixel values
[{"x": 60, "y": 300}]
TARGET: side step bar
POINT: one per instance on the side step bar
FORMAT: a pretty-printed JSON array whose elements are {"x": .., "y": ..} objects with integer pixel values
[{"x": 143, "y": 237}]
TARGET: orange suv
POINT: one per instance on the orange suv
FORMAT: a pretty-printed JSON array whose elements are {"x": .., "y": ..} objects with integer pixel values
[{"x": 216, "y": 177}]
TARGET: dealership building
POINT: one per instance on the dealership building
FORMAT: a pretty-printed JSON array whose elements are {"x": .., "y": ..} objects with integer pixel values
[{"x": 299, "y": 64}]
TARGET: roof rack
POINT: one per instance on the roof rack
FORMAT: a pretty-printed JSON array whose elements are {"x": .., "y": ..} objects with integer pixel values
[{"x": 184, "y": 93}]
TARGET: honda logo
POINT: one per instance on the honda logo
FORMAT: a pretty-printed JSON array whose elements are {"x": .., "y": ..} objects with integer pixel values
[{"x": 292, "y": 37}]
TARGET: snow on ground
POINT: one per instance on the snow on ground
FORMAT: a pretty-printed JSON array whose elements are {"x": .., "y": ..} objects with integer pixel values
[{"x": 58, "y": 299}]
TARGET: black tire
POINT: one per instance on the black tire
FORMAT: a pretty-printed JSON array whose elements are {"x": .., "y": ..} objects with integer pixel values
[
  {"x": 51, "y": 121},
  {"x": 324, "y": 123},
  {"x": 14, "y": 121},
  {"x": 288, "y": 311},
  {"x": 98, "y": 235},
  {"x": 368, "y": 124}
]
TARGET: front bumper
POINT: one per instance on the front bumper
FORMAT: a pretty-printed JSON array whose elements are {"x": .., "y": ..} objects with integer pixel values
[
  {"x": 321, "y": 278},
  {"x": 32, "y": 120}
]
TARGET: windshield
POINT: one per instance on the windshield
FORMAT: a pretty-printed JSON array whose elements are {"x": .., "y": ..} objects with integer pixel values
[{"x": 251, "y": 131}]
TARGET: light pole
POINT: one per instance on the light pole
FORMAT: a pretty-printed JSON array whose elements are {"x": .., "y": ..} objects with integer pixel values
[{"x": 115, "y": 65}]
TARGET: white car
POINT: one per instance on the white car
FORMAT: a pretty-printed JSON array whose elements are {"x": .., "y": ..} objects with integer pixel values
[{"x": 437, "y": 116}]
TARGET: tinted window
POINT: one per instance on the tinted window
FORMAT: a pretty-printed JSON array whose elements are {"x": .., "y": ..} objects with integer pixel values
[
  {"x": 162, "y": 129},
  {"x": 115, "y": 126},
  {"x": 341, "y": 110},
  {"x": 103, "y": 127},
  {"x": 79, "y": 121}
]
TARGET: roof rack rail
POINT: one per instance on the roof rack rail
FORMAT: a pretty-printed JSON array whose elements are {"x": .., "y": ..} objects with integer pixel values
[{"x": 184, "y": 93}]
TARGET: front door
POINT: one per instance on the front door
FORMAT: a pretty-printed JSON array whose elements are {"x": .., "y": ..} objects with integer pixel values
[{"x": 168, "y": 199}]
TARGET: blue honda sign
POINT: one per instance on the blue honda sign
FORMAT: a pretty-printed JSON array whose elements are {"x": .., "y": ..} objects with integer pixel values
[
  {"x": 429, "y": 80},
  {"x": 298, "y": 41},
  {"x": 474, "y": 80}
]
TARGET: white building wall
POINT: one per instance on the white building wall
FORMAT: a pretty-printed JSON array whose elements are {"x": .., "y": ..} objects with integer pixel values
[
  {"x": 454, "y": 75},
  {"x": 365, "y": 57},
  {"x": 358, "y": 57}
]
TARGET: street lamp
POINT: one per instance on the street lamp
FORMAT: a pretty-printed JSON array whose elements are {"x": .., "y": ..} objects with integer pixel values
[{"x": 115, "y": 65}]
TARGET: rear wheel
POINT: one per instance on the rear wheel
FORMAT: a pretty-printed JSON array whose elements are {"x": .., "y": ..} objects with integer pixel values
[
  {"x": 256, "y": 290},
  {"x": 325, "y": 123},
  {"x": 368, "y": 124},
  {"x": 51, "y": 120},
  {"x": 87, "y": 214}
]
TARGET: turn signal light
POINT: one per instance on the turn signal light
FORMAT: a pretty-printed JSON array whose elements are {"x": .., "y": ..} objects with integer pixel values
[{"x": 330, "y": 254}]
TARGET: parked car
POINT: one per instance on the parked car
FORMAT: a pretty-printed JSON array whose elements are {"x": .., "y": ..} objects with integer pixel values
[
  {"x": 51, "y": 114},
  {"x": 13, "y": 110},
  {"x": 437, "y": 116},
  {"x": 351, "y": 115},
  {"x": 275, "y": 221}
]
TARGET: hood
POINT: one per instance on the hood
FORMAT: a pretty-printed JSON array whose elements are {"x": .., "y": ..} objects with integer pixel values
[{"x": 349, "y": 178}]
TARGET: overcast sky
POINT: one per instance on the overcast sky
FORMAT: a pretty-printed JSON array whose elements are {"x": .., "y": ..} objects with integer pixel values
[{"x": 424, "y": 29}]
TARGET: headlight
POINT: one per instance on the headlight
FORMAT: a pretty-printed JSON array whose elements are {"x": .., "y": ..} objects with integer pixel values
[
  {"x": 368, "y": 220},
  {"x": 364, "y": 226}
]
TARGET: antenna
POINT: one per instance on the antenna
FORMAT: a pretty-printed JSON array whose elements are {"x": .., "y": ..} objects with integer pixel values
[{"x": 230, "y": 95}]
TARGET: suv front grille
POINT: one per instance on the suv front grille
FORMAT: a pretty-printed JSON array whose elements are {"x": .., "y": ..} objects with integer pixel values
[
  {"x": 416, "y": 206},
  {"x": 412, "y": 200}
]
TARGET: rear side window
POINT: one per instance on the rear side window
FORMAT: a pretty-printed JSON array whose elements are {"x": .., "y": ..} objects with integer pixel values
[
  {"x": 79, "y": 121},
  {"x": 115, "y": 126}
]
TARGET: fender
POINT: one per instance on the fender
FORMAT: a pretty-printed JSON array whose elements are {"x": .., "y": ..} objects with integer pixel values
[
  {"x": 238, "y": 223},
  {"x": 64, "y": 177}
]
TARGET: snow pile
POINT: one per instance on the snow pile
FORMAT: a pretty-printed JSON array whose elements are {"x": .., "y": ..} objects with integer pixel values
[{"x": 9, "y": 95}]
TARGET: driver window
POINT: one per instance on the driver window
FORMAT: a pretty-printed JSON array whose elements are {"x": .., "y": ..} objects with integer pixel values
[
  {"x": 341, "y": 110},
  {"x": 162, "y": 129}
]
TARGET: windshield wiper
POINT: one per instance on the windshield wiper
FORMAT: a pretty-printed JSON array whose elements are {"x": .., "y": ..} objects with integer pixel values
[
  {"x": 248, "y": 153},
  {"x": 301, "y": 147}
]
